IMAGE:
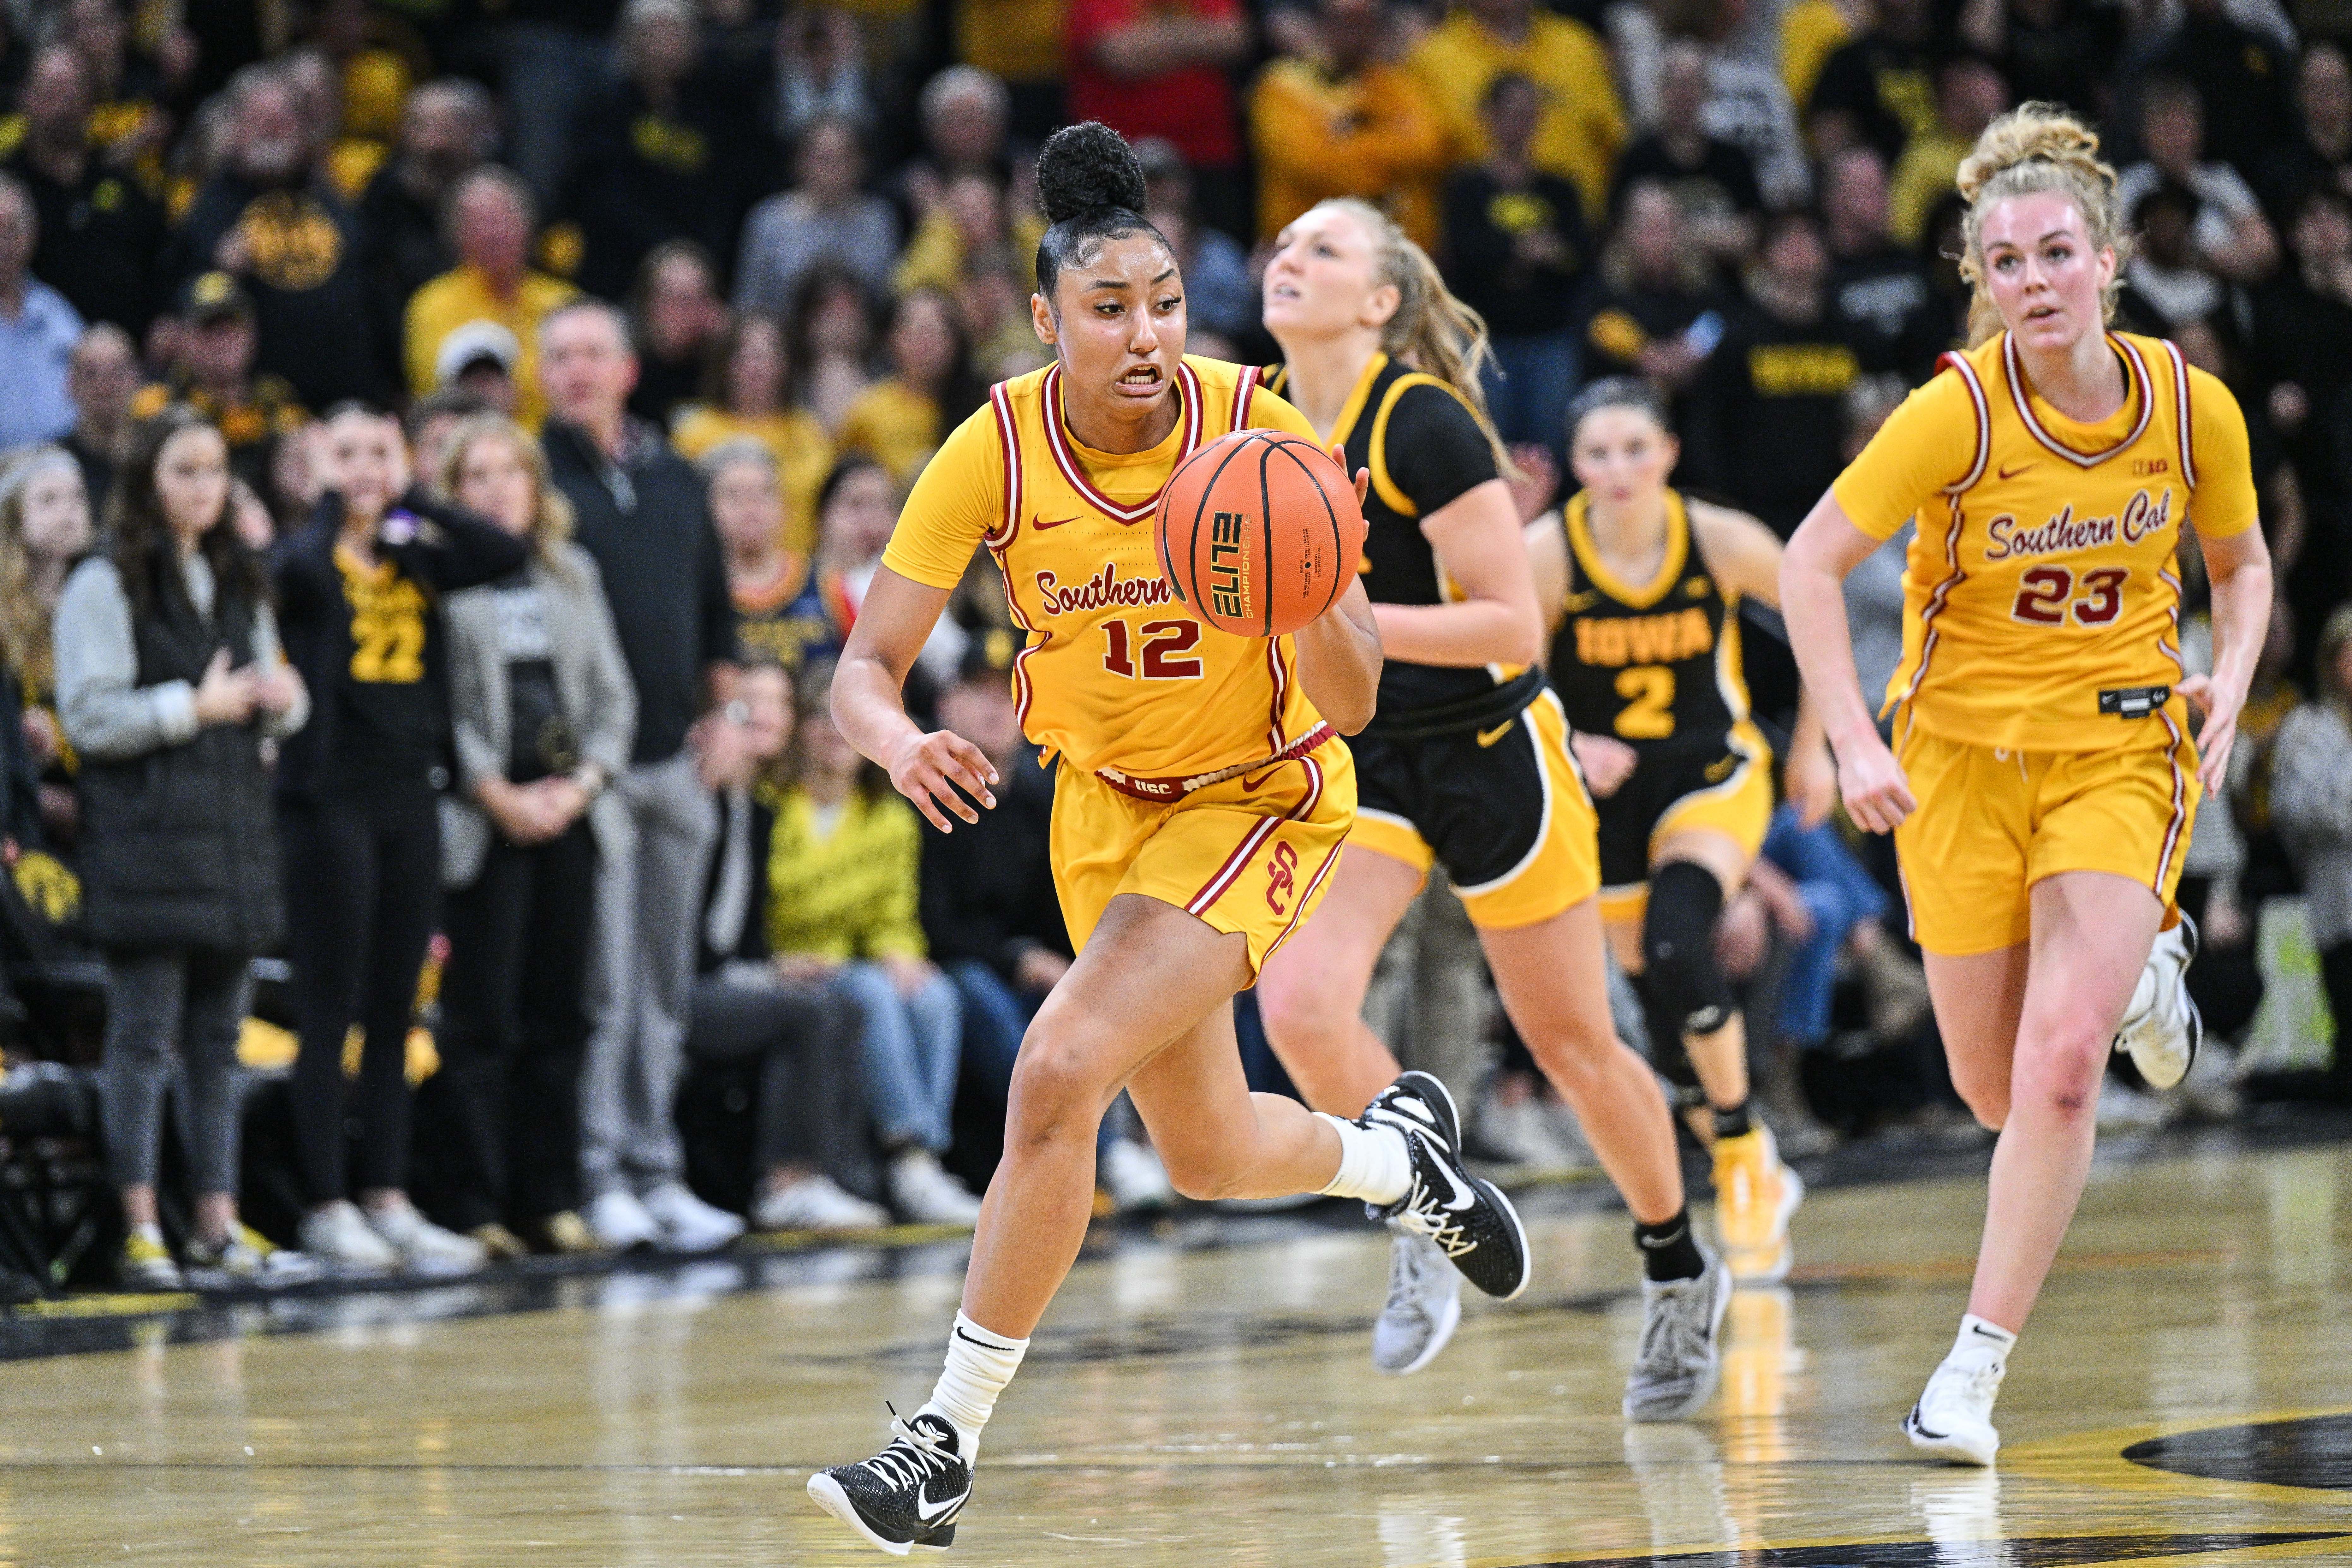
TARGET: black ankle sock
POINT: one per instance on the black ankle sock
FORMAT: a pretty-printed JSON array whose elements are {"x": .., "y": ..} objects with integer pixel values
[
  {"x": 1668, "y": 1251},
  {"x": 1732, "y": 1123}
]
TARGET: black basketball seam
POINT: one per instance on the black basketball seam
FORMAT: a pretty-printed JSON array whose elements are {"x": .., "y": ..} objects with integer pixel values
[
  {"x": 1338, "y": 584},
  {"x": 1265, "y": 526},
  {"x": 1193, "y": 536}
]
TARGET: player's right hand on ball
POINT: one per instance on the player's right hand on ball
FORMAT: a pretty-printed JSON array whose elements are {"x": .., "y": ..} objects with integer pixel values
[
  {"x": 1876, "y": 793},
  {"x": 924, "y": 767}
]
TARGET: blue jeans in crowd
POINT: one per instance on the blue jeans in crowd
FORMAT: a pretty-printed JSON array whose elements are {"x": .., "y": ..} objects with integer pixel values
[
  {"x": 1529, "y": 398},
  {"x": 913, "y": 1046},
  {"x": 995, "y": 1017},
  {"x": 1838, "y": 894}
]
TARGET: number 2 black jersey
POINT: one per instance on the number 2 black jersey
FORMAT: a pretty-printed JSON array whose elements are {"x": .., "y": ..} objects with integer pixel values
[
  {"x": 1656, "y": 664},
  {"x": 1425, "y": 448}
]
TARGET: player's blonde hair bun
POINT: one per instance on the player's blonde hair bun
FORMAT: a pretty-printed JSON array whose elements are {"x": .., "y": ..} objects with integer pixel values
[{"x": 2037, "y": 147}]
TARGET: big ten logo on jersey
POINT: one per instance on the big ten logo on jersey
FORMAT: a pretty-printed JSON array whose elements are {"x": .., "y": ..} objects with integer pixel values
[
  {"x": 1228, "y": 567},
  {"x": 1281, "y": 877}
]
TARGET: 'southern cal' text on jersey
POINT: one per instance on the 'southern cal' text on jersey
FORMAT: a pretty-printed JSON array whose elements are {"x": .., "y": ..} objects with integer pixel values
[
  {"x": 2042, "y": 590},
  {"x": 1117, "y": 674}
]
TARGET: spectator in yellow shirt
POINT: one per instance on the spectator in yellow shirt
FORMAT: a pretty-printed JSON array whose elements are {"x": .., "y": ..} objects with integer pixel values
[
  {"x": 844, "y": 869},
  {"x": 748, "y": 391},
  {"x": 1582, "y": 124},
  {"x": 1341, "y": 120},
  {"x": 900, "y": 419},
  {"x": 490, "y": 219}
]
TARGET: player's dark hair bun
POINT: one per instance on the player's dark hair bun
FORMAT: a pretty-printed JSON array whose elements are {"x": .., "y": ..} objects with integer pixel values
[{"x": 1089, "y": 168}]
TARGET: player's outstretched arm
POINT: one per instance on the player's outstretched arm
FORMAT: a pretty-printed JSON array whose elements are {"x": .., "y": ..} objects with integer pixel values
[
  {"x": 1340, "y": 661},
  {"x": 1813, "y": 570},
  {"x": 870, "y": 706}
]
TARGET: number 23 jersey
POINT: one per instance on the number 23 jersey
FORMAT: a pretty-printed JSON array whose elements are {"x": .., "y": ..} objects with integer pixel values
[
  {"x": 1117, "y": 674},
  {"x": 2042, "y": 591}
]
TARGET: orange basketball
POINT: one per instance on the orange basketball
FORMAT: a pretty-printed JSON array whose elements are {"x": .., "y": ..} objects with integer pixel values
[{"x": 1259, "y": 532}]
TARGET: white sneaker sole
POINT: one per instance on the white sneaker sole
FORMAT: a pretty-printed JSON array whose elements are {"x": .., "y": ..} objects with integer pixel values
[
  {"x": 1954, "y": 1449},
  {"x": 826, "y": 1493},
  {"x": 2157, "y": 1072},
  {"x": 1447, "y": 1322}
]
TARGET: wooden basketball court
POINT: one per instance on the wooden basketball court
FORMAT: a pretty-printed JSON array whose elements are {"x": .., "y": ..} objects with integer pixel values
[{"x": 1203, "y": 1395}]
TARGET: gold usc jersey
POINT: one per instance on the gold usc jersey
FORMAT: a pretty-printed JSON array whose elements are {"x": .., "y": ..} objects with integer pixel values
[
  {"x": 2043, "y": 591},
  {"x": 1117, "y": 674}
]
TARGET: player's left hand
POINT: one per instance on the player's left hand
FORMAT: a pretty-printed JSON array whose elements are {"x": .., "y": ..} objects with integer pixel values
[
  {"x": 1812, "y": 785},
  {"x": 2219, "y": 733}
]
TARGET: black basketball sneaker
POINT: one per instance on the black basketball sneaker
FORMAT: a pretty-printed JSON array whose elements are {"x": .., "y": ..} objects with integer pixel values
[
  {"x": 906, "y": 1495},
  {"x": 1465, "y": 1216}
]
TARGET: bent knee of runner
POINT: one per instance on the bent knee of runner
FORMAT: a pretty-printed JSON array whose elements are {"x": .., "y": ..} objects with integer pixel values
[
  {"x": 1060, "y": 1085},
  {"x": 2061, "y": 1064},
  {"x": 1204, "y": 1173},
  {"x": 1304, "y": 1007}
]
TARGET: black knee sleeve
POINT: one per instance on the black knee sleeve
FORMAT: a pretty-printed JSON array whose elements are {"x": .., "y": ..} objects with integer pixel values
[{"x": 1682, "y": 992}]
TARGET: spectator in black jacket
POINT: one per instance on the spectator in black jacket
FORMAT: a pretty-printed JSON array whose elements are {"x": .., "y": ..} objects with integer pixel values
[
  {"x": 448, "y": 130},
  {"x": 664, "y": 152},
  {"x": 1876, "y": 286},
  {"x": 1770, "y": 409},
  {"x": 810, "y": 1123},
  {"x": 642, "y": 514},
  {"x": 171, "y": 681},
  {"x": 99, "y": 229},
  {"x": 271, "y": 220},
  {"x": 357, "y": 587},
  {"x": 1518, "y": 255}
]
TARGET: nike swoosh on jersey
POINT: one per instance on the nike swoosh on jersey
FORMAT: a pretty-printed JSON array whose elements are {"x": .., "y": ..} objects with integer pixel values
[
  {"x": 1716, "y": 772},
  {"x": 1041, "y": 524},
  {"x": 1582, "y": 599},
  {"x": 1489, "y": 737},
  {"x": 2012, "y": 473},
  {"x": 930, "y": 1514},
  {"x": 1250, "y": 786}
]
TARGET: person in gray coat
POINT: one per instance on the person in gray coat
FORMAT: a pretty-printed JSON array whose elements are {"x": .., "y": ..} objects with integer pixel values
[{"x": 544, "y": 714}]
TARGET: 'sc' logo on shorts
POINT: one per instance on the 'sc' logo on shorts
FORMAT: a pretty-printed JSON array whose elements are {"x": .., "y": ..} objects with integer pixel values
[{"x": 1280, "y": 880}]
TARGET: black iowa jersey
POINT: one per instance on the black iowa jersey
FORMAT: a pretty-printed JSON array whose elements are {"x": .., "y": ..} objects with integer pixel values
[
  {"x": 1656, "y": 664},
  {"x": 1425, "y": 449}
]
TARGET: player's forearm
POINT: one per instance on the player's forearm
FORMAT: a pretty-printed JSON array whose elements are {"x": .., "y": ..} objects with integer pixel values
[
  {"x": 869, "y": 707},
  {"x": 2241, "y": 618},
  {"x": 1466, "y": 635},
  {"x": 1340, "y": 661},
  {"x": 1813, "y": 602}
]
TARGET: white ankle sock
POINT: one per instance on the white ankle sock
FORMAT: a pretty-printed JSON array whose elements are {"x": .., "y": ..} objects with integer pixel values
[
  {"x": 1375, "y": 1163},
  {"x": 1980, "y": 1339},
  {"x": 980, "y": 1364}
]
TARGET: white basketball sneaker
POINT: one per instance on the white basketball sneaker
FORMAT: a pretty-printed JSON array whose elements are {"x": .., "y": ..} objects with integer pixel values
[
  {"x": 2162, "y": 1028},
  {"x": 1953, "y": 1419}
]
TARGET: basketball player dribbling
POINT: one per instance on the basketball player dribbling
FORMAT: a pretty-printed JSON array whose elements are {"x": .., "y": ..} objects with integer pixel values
[
  {"x": 2042, "y": 779},
  {"x": 1201, "y": 796},
  {"x": 1466, "y": 764}
]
